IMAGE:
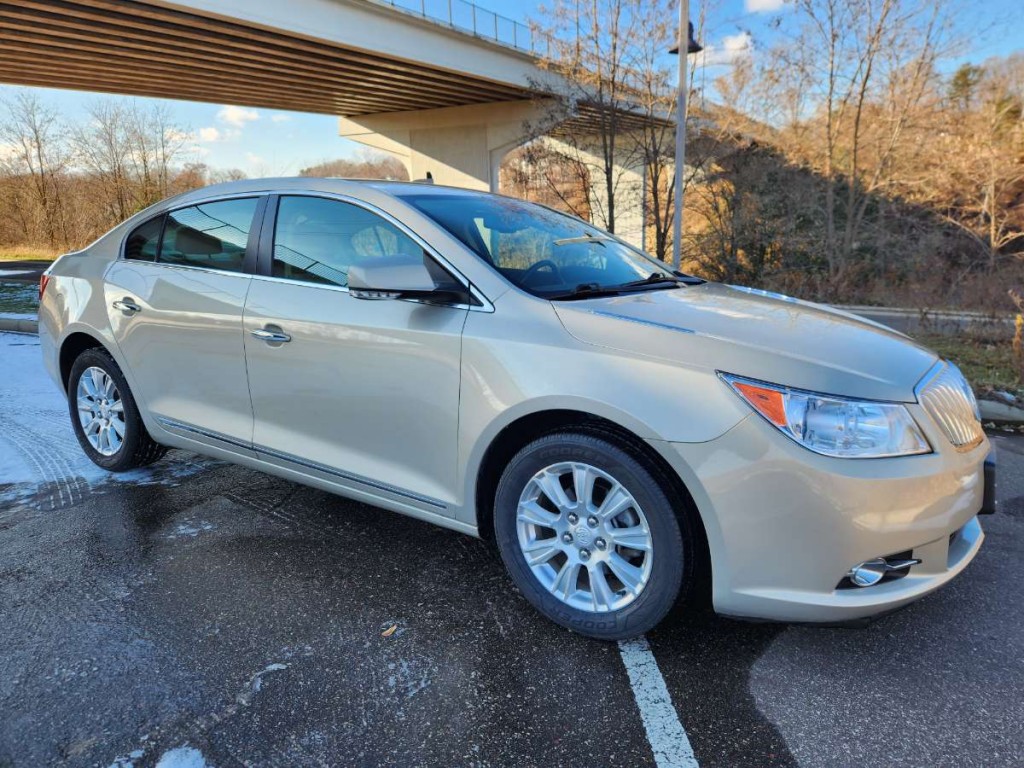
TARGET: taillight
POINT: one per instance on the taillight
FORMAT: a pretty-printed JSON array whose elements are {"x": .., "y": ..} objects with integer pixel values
[{"x": 44, "y": 280}]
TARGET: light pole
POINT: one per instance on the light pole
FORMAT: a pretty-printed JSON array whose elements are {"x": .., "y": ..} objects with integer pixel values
[{"x": 691, "y": 47}]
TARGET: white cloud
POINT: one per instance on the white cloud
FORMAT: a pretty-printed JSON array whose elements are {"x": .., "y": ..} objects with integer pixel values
[
  {"x": 253, "y": 160},
  {"x": 731, "y": 48},
  {"x": 281, "y": 118},
  {"x": 237, "y": 116},
  {"x": 8, "y": 151},
  {"x": 177, "y": 135},
  {"x": 212, "y": 133},
  {"x": 763, "y": 6}
]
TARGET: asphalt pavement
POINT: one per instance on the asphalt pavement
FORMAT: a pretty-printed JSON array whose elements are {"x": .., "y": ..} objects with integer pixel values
[{"x": 201, "y": 611}]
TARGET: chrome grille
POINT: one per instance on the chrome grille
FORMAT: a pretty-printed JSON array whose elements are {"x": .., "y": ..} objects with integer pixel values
[{"x": 946, "y": 395}]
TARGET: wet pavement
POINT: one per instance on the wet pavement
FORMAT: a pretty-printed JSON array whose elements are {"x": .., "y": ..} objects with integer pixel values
[{"x": 262, "y": 623}]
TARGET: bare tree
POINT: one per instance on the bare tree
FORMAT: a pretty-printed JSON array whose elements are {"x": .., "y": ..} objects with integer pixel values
[
  {"x": 847, "y": 87},
  {"x": 596, "y": 113},
  {"x": 366, "y": 165},
  {"x": 36, "y": 149},
  {"x": 102, "y": 148}
]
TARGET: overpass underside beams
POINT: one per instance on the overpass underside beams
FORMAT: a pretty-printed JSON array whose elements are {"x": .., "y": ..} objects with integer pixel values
[{"x": 138, "y": 48}]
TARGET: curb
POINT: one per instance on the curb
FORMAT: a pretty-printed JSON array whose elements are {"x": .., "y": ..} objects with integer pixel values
[
  {"x": 1001, "y": 414},
  {"x": 19, "y": 325}
]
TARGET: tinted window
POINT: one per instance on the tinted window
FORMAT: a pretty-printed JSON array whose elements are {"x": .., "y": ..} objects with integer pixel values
[
  {"x": 542, "y": 251},
  {"x": 144, "y": 242},
  {"x": 210, "y": 235},
  {"x": 318, "y": 239}
]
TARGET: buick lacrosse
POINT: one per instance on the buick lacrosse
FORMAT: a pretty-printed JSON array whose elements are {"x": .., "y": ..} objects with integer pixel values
[{"x": 620, "y": 431}]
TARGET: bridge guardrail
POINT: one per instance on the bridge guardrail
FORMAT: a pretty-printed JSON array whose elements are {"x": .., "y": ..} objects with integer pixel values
[{"x": 470, "y": 18}]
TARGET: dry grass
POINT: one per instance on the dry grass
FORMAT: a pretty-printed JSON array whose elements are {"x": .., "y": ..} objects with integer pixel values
[
  {"x": 987, "y": 364},
  {"x": 27, "y": 253}
]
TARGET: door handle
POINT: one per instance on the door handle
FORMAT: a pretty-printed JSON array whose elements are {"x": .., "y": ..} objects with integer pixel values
[
  {"x": 271, "y": 336},
  {"x": 127, "y": 306}
]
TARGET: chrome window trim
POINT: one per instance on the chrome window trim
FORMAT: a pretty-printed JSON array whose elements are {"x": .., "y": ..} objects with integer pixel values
[
  {"x": 192, "y": 268},
  {"x": 183, "y": 206},
  {"x": 485, "y": 303}
]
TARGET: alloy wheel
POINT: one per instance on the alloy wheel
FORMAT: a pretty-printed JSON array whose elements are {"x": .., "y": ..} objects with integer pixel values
[
  {"x": 101, "y": 411},
  {"x": 584, "y": 537}
]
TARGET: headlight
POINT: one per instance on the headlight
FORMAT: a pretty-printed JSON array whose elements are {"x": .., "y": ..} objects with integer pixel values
[{"x": 833, "y": 426}]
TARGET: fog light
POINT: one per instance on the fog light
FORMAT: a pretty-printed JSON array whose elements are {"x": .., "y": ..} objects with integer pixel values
[{"x": 870, "y": 572}]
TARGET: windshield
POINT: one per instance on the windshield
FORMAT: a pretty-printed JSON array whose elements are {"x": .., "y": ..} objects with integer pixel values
[{"x": 540, "y": 250}]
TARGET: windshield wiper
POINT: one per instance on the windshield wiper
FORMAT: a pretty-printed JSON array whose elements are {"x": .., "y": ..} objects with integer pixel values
[
  {"x": 583, "y": 239},
  {"x": 587, "y": 291},
  {"x": 652, "y": 279}
]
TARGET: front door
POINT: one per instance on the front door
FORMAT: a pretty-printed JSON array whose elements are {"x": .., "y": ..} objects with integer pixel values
[
  {"x": 364, "y": 392},
  {"x": 175, "y": 303}
]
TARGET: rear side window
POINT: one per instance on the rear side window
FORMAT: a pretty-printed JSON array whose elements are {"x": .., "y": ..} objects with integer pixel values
[
  {"x": 144, "y": 242},
  {"x": 209, "y": 235},
  {"x": 317, "y": 240}
]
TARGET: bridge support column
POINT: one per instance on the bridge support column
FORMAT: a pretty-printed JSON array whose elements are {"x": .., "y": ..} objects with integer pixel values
[
  {"x": 628, "y": 181},
  {"x": 464, "y": 147},
  {"x": 458, "y": 146}
]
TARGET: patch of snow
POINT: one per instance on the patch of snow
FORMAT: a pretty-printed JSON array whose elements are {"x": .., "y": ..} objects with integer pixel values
[
  {"x": 128, "y": 762},
  {"x": 183, "y": 757},
  {"x": 256, "y": 683},
  {"x": 189, "y": 530}
]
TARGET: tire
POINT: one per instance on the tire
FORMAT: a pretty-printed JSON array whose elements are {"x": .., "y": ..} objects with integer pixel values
[
  {"x": 598, "y": 605},
  {"x": 116, "y": 453}
]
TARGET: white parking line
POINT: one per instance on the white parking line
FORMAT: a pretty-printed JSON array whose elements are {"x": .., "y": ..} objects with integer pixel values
[{"x": 666, "y": 734}]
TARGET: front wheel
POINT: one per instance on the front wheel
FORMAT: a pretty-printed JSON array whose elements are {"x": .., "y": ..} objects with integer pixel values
[
  {"x": 105, "y": 416},
  {"x": 589, "y": 536}
]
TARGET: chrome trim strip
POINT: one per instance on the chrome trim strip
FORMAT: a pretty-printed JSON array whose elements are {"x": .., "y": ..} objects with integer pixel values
[
  {"x": 944, "y": 394},
  {"x": 175, "y": 424},
  {"x": 637, "y": 320},
  {"x": 485, "y": 305},
  {"x": 351, "y": 477}
]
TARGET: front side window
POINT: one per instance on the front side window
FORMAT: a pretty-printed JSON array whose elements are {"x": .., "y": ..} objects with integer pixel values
[
  {"x": 210, "y": 235},
  {"x": 317, "y": 240},
  {"x": 540, "y": 250},
  {"x": 143, "y": 243}
]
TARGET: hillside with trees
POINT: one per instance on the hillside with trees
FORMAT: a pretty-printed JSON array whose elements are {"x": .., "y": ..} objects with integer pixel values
[{"x": 846, "y": 162}]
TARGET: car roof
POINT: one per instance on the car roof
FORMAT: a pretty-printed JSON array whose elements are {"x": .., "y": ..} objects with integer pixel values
[{"x": 320, "y": 184}]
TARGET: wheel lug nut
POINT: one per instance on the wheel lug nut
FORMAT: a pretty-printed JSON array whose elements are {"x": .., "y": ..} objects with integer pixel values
[
  {"x": 573, "y": 518},
  {"x": 592, "y": 521},
  {"x": 584, "y": 554},
  {"x": 600, "y": 544},
  {"x": 567, "y": 538}
]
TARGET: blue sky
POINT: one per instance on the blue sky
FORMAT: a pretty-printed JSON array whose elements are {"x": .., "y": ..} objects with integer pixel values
[{"x": 265, "y": 142}]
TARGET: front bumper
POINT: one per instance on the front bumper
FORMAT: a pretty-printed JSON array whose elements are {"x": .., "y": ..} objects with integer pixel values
[{"x": 785, "y": 525}]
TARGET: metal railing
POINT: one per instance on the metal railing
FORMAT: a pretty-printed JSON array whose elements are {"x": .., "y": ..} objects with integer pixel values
[{"x": 471, "y": 19}]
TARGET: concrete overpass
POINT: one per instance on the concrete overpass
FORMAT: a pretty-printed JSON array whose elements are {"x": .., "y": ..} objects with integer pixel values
[{"x": 443, "y": 99}]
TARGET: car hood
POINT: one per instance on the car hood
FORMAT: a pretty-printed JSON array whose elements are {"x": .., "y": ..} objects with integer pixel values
[{"x": 756, "y": 334}]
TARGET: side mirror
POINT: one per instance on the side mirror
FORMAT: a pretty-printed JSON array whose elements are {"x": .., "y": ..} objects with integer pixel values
[{"x": 401, "y": 277}]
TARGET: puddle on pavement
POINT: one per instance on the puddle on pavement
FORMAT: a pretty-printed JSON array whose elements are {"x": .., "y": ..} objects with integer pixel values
[{"x": 18, "y": 298}]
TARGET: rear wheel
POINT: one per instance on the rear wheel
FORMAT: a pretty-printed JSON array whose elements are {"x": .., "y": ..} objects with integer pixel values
[
  {"x": 590, "y": 536},
  {"x": 105, "y": 416}
]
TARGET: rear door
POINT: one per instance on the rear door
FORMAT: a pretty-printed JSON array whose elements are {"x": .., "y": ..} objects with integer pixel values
[
  {"x": 175, "y": 301},
  {"x": 364, "y": 393}
]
